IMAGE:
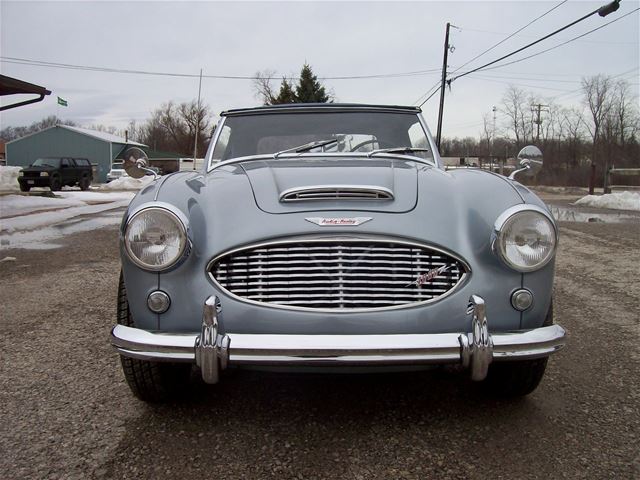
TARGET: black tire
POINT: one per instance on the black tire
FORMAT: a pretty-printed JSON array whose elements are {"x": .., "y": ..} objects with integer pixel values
[
  {"x": 55, "y": 184},
  {"x": 24, "y": 188},
  {"x": 84, "y": 183},
  {"x": 149, "y": 381},
  {"x": 516, "y": 379}
]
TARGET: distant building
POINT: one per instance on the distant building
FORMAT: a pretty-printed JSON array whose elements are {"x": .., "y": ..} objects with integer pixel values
[
  {"x": 2, "y": 154},
  {"x": 100, "y": 148}
]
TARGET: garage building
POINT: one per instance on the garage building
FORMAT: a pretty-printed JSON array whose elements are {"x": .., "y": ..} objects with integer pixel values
[{"x": 100, "y": 148}]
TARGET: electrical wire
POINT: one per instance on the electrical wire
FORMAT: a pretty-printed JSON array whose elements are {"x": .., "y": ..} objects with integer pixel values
[
  {"x": 511, "y": 35},
  {"x": 484, "y": 67},
  {"x": 544, "y": 51},
  {"x": 41, "y": 63}
]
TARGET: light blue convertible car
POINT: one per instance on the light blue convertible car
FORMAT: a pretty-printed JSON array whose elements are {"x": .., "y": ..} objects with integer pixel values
[{"x": 331, "y": 236}]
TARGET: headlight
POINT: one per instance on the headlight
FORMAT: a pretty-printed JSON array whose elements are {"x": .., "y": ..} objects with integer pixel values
[
  {"x": 525, "y": 238},
  {"x": 44, "y": 174},
  {"x": 155, "y": 238}
]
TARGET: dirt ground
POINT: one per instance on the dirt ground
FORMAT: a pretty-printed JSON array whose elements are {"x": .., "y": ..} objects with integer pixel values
[{"x": 66, "y": 411}]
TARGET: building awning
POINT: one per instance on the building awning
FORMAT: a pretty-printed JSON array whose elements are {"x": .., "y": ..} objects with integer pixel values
[{"x": 13, "y": 86}]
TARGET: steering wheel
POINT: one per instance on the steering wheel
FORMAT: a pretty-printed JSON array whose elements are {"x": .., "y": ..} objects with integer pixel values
[{"x": 368, "y": 142}]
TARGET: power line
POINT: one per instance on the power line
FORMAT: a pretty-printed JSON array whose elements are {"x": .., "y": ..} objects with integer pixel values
[
  {"x": 598, "y": 10},
  {"x": 68, "y": 66},
  {"x": 534, "y": 36},
  {"x": 548, "y": 49},
  {"x": 510, "y": 36}
]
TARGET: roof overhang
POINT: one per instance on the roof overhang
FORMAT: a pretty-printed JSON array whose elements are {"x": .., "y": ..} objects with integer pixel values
[{"x": 13, "y": 86}]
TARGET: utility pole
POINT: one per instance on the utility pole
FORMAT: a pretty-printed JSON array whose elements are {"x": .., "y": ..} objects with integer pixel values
[
  {"x": 493, "y": 136},
  {"x": 538, "y": 109},
  {"x": 443, "y": 84},
  {"x": 195, "y": 146}
]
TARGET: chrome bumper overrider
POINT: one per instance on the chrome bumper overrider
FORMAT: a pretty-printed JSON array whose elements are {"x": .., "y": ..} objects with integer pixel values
[{"x": 213, "y": 351}]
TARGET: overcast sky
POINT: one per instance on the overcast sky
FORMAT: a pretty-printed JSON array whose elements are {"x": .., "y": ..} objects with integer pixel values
[{"x": 335, "y": 38}]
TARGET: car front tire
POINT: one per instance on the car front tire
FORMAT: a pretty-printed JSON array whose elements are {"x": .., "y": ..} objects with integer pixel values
[
  {"x": 84, "y": 183},
  {"x": 518, "y": 378},
  {"x": 149, "y": 381},
  {"x": 24, "y": 188},
  {"x": 56, "y": 184}
]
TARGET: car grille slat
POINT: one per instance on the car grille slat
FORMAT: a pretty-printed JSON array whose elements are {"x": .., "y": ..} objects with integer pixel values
[{"x": 338, "y": 274}]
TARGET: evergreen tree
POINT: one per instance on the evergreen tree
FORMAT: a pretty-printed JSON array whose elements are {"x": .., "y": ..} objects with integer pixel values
[
  {"x": 309, "y": 89},
  {"x": 286, "y": 94}
]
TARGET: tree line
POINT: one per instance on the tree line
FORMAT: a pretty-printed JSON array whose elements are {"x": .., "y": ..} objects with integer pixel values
[{"x": 601, "y": 130}]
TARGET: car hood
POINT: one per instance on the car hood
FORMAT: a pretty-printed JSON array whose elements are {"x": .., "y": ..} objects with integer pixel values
[
  {"x": 271, "y": 179},
  {"x": 38, "y": 169}
]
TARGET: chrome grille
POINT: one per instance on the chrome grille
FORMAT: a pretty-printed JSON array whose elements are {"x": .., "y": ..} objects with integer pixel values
[
  {"x": 338, "y": 192},
  {"x": 337, "y": 274}
]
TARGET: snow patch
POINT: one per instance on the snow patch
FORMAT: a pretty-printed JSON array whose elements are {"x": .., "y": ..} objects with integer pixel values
[
  {"x": 38, "y": 220},
  {"x": 127, "y": 183},
  {"x": 13, "y": 205},
  {"x": 9, "y": 179},
  {"x": 616, "y": 201}
]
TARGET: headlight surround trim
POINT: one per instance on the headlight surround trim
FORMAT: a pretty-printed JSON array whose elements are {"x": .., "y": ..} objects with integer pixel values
[
  {"x": 175, "y": 215},
  {"x": 509, "y": 216}
]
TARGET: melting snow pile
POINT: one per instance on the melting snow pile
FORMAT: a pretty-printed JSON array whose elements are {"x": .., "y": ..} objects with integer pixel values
[
  {"x": 22, "y": 212},
  {"x": 128, "y": 183},
  {"x": 14, "y": 205},
  {"x": 616, "y": 201},
  {"x": 9, "y": 179}
]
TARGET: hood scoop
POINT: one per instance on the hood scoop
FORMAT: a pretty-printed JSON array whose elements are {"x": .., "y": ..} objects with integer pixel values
[
  {"x": 336, "y": 192},
  {"x": 316, "y": 184}
]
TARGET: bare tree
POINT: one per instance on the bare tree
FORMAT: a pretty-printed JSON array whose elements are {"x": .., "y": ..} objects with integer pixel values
[
  {"x": 517, "y": 109},
  {"x": 487, "y": 133},
  {"x": 597, "y": 93},
  {"x": 571, "y": 131},
  {"x": 625, "y": 112},
  {"x": 173, "y": 127},
  {"x": 263, "y": 89}
]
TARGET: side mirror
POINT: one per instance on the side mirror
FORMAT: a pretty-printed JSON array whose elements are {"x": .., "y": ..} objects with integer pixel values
[
  {"x": 529, "y": 161},
  {"x": 136, "y": 163}
]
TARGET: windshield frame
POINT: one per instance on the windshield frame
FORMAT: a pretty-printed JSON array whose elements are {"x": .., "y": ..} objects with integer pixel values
[{"x": 212, "y": 165}]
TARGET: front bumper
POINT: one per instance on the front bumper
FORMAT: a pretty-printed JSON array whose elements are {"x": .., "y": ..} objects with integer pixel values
[
  {"x": 213, "y": 351},
  {"x": 34, "y": 181}
]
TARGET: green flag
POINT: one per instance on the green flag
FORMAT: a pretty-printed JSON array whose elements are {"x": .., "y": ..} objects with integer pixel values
[{"x": 62, "y": 101}]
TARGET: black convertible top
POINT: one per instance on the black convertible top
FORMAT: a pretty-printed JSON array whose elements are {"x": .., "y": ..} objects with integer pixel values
[{"x": 319, "y": 107}]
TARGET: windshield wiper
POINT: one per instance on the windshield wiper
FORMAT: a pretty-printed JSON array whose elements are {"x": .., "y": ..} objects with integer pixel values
[
  {"x": 307, "y": 146},
  {"x": 397, "y": 150}
]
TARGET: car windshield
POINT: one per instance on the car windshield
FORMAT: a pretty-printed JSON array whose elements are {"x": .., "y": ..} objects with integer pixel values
[
  {"x": 275, "y": 133},
  {"x": 47, "y": 162}
]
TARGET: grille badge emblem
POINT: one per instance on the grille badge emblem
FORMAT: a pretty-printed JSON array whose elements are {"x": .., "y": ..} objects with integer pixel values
[
  {"x": 338, "y": 221},
  {"x": 430, "y": 275}
]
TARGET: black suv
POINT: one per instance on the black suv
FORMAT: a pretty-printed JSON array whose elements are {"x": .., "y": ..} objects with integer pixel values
[{"x": 54, "y": 172}]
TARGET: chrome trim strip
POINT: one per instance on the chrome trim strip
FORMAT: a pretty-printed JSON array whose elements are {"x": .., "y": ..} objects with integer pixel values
[
  {"x": 209, "y": 164},
  {"x": 349, "y": 155},
  {"x": 321, "y": 189},
  {"x": 332, "y": 239},
  {"x": 264, "y": 349}
]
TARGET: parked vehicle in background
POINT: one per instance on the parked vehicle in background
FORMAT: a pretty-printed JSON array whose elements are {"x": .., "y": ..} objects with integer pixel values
[
  {"x": 331, "y": 236},
  {"x": 56, "y": 172},
  {"x": 117, "y": 171}
]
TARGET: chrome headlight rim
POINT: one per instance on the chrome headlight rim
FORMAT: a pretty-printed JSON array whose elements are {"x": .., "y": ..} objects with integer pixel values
[
  {"x": 181, "y": 221},
  {"x": 508, "y": 216}
]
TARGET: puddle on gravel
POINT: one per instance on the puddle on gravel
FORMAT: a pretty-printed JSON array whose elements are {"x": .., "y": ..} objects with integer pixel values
[
  {"x": 574, "y": 214},
  {"x": 44, "y": 238}
]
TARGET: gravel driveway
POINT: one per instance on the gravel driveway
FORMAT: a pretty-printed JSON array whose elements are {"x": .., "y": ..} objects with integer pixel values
[{"x": 67, "y": 413}]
